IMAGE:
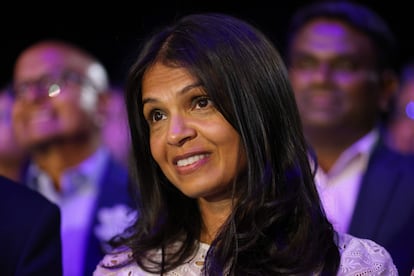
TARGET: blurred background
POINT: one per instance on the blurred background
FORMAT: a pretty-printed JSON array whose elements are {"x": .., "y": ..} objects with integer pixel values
[{"x": 113, "y": 30}]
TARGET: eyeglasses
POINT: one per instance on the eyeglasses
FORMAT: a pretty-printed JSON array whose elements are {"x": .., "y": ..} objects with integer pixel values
[{"x": 50, "y": 85}]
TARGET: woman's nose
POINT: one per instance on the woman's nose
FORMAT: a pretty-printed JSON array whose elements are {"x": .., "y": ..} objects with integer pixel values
[{"x": 179, "y": 131}]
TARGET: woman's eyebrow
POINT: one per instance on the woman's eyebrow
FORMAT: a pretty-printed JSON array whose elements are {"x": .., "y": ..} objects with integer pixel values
[{"x": 184, "y": 90}]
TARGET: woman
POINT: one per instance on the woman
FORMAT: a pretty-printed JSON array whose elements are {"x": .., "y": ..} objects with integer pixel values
[{"x": 225, "y": 185}]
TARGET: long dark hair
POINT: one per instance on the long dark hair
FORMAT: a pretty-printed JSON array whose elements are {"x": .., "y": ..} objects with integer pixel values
[{"x": 277, "y": 226}]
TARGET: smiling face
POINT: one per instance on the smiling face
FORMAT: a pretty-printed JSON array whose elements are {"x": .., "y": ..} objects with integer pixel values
[
  {"x": 42, "y": 117},
  {"x": 194, "y": 145}
]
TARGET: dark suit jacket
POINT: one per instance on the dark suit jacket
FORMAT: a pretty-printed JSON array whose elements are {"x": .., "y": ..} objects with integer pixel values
[
  {"x": 115, "y": 188},
  {"x": 384, "y": 210},
  {"x": 29, "y": 232}
]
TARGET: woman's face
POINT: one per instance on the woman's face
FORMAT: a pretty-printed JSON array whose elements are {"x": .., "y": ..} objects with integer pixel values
[{"x": 194, "y": 145}]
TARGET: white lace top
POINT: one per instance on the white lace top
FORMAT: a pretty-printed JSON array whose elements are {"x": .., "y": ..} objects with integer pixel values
[{"x": 358, "y": 257}]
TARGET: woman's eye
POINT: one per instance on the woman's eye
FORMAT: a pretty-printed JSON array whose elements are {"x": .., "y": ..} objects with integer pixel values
[
  {"x": 202, "y": 102},
  {"x": 156, "y": 116}
]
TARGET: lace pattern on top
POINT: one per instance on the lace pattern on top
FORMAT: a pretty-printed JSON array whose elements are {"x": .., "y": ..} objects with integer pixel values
[{"x": 359, "y": 257}]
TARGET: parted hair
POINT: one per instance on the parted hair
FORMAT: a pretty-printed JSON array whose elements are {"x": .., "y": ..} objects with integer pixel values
[{"x": 277, "y": 225}]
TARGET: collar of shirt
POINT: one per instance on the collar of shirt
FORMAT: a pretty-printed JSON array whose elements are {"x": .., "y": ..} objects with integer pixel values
[
  {"x": 338, "y": 189},
  {"x": 76, "y": 180},
  {"x": 359, "y": 151}
]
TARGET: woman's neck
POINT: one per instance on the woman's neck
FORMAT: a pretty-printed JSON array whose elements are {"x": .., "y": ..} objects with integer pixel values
[{"x": 213, "y": 215}]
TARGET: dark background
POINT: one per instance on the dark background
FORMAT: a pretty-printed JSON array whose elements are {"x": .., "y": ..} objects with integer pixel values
[{"x": 113, "y": 30}]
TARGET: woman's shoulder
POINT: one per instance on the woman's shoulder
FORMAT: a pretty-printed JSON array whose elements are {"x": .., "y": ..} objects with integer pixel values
[
  {"x": 364, "y": 257},
  {"x": 118, "y": 262},
  {"x": 121, "y": 262}
]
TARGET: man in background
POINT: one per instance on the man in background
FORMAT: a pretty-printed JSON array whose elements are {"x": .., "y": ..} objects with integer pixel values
[
  {"x": 341, "y": 68},
  {"x": 58, "y": 114}
]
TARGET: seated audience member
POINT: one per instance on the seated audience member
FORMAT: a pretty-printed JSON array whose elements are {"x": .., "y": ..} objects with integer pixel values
[
  {"x": 29, "y": 232},
  {"x": 115, "y": 132},
  {"x": 13, "y": 158},
  {"x": 225, "y": 183},
  {"x": 341, "y": 68},
  {"x": 400, "y": 124},
  {"x": 58, "y": 113}
]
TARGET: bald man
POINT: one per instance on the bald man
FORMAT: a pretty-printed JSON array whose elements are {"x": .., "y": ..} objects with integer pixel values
[{"x": 60, "y": 94}]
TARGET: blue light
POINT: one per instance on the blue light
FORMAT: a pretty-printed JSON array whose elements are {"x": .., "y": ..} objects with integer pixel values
[{"x": 409, "y": 110}]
